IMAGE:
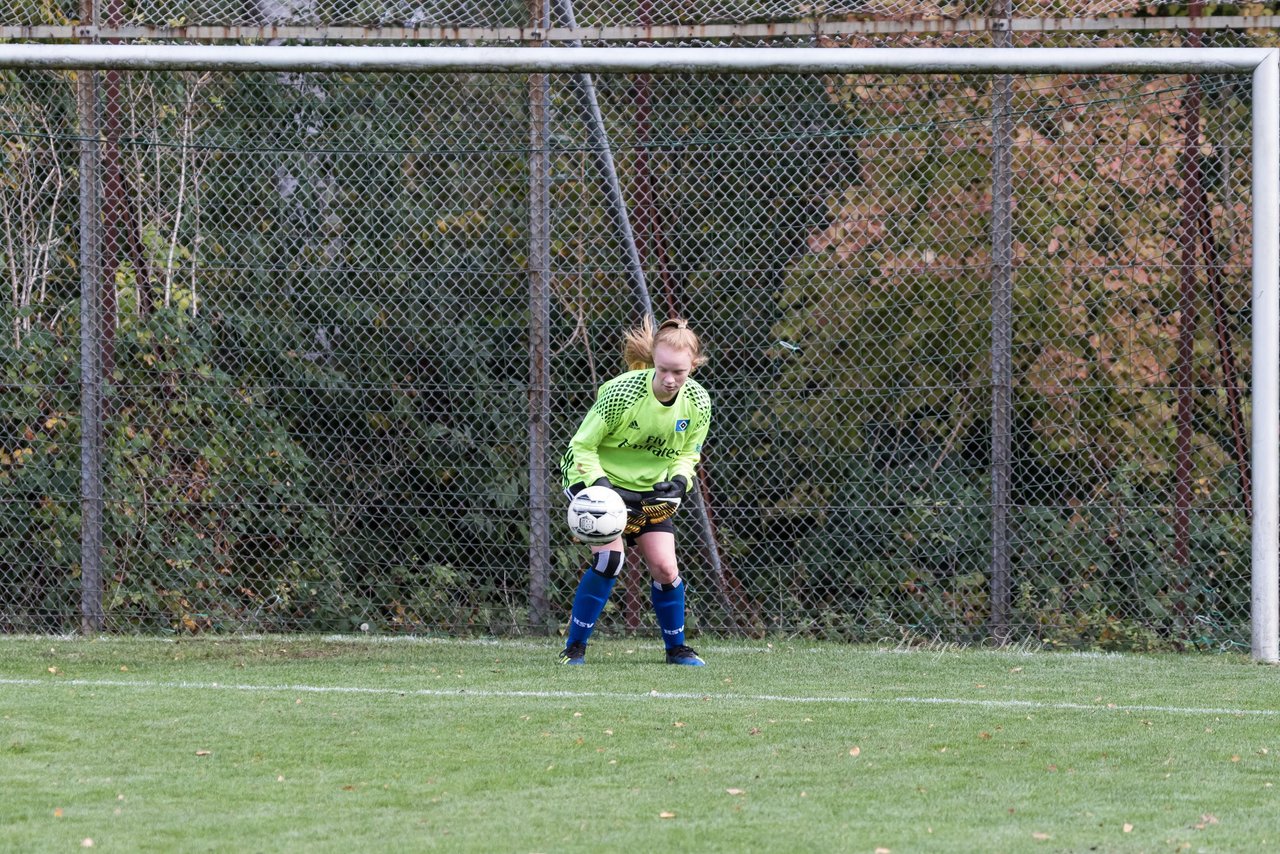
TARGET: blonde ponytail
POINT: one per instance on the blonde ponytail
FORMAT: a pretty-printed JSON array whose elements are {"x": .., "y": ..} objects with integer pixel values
[{"x": 639, "y": 341}]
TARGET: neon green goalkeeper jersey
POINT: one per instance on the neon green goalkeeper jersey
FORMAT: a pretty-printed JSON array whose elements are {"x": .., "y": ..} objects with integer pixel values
[{"x": 634, "y": 439}]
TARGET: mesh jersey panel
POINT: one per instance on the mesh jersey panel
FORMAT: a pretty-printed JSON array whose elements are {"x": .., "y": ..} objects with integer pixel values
[{"x": 620, "y": 394}]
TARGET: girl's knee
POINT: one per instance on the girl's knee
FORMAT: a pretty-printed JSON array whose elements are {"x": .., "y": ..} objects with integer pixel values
[{"x": 664, "y": 573}]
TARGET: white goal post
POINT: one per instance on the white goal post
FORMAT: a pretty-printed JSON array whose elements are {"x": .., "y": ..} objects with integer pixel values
[{"x": 1261, "y": 64}]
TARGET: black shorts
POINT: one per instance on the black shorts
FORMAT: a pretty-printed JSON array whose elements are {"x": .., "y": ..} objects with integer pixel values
[{"x": 646, "y": 527}]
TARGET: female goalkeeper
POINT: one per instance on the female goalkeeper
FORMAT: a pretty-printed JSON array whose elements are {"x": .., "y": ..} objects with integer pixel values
[{"x": 642, "y": 437}]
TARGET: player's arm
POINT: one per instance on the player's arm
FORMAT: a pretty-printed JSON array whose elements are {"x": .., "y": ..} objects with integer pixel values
[
  {"x": 685, "y": 465},
  {"x": 580, "y": 465},
  {"x": 616, "y": 399},
  {"x": 665, "y": 497}
]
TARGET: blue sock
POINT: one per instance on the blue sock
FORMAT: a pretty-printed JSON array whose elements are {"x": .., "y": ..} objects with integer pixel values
[
  {"x": 668, "y": 605},
  {"x": 588, "y": 605}
]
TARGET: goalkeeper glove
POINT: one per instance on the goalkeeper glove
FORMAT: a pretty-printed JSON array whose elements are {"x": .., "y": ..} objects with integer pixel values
[
  {"x": 671, "y": 490},
  {"x": 663, "y": 500}
]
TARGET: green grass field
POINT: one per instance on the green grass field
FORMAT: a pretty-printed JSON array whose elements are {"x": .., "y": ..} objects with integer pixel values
[{"x": 279, "y": 744}]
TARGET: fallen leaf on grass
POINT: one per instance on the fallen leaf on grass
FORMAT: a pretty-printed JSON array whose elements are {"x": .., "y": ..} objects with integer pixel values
[
  {"x": 204, "y": 753},
  {"x": 1206, "y": 820},
  {"x": 1128, "y": 828},
  {"x": 855, "y": 751},
  {"x": 57, "y": 813}
]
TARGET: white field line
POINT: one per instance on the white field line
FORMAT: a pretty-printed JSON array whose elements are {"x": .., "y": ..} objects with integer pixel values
[
  {"x": 465, "y": 693},
  {"x": 885, "y": 646},
  {"x": 551, "y": 645}
]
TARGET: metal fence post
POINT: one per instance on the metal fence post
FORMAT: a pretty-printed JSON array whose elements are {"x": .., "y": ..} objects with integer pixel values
[
  {"x": 539, "y": 343},
  {"x": 1001, "y": 337},
  {"x": 91, "y": 587}
]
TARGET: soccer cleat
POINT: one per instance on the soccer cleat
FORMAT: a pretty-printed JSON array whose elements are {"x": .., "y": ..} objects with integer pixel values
[
  {"x": 686, "y": 655},
  {"x": 574, "y": 653}
]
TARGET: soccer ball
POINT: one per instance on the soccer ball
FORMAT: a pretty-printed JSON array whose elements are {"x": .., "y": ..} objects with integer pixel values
[{"x": 597, "y": 515}]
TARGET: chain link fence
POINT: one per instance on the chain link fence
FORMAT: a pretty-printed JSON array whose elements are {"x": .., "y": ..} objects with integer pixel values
[
  {"x": 518, "y": 13},
  {"x": 205, "y": 17},
  {"x": 317, "y": 352}
]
